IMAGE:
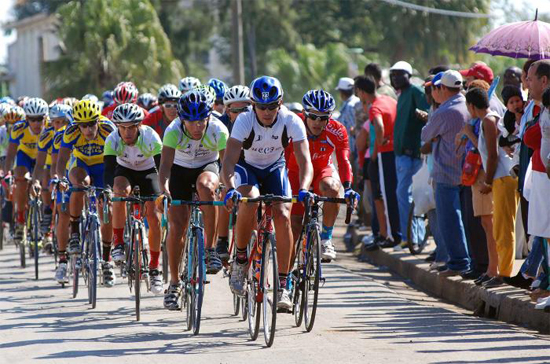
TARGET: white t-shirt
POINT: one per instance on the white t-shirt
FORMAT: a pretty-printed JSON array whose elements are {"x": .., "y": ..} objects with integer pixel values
[
  {"x": 191, "y": 153},
  {"x": 138, "y": 157},
  {"x": 263, "y": 146}
]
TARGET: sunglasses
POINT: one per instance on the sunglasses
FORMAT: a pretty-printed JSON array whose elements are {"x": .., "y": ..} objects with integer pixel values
[
  {"x": 170, "y": 106},
  {"x": 238, "y": 110},
  {"x": 35, "y": 119},
  {"x": 314, "y": 117},
  {"x": 89, "y": 124},
  {"x": 269, "y": 107}
]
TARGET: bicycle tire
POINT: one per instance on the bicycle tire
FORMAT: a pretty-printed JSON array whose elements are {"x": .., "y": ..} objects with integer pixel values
[
  {"x": 420, "y": 245},
  {"x": 269, "y": 289},
  {"x": 313, "y": 272},
  {"x": 236, "y": 305},
  {"x": 298, "y": 284},
  {"x": 253, "y": 304},
  {"x": 92, "y": 279},
  {"x": 75, "y": 271},
  {"x": 201, "y": 271},
  {"x": 188, "y": 294},
  {"x": 136, "y": 236},
  {"x": 244, "y": 311},
  {"x": 22, "y": 253},
  {"x": 34, "y": 235}
]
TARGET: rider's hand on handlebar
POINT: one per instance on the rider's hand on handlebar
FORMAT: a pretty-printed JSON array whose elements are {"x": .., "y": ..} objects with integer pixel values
[
  {"x": 351, "y": 197},
  {"x": 231, "y": 197},
  {"x": 159, "y": 201},
  {"x": 64, "y": 184},
  {"x": 305, "y": 196}
]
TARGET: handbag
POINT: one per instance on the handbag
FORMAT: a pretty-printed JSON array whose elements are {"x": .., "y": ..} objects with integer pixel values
[{"x": 470, "y": 168}]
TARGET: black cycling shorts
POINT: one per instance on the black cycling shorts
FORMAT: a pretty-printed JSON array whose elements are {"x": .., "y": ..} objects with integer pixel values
[
  {"x": 148, "y": 180},
  {"x": 182, "y": 179}
]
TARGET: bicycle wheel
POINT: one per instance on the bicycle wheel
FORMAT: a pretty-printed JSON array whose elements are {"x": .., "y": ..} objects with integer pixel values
[
  {"x": 270, "y": 288},
  {"x": 199, "y": 281},
  {"x": 75, "y": 268},
  {"x": 136, "y": 243},
  {"x": 236, "y": 305},
  {"x": 297, "y": 284},
  {"x": 22, "y": 252},
  {"x": 252, "y": 302},
  {"x": 164, "y": 233},
  {"x": 417, "y": 245},
  {"x": 312, "y": 278},
  {"x": 93, "y": 266},
  {"x": 35, "y": 225},
  {"x": 188, "y": 294}
]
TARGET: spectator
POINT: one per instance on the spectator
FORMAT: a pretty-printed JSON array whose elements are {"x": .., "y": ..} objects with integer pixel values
[
  {"x": 524, "y": 84},
  {"x": 480, "y": 71},
  {"x": 373, "y": 70},
  {"x": 441, "y": 129},
  {"x": 382, "y": 111},
  {"x": 437, "y": 69},
  {"x": 407, "y": 131},
  {"x": 347, "y": 112},
  {"x": 512, "y": 77}
]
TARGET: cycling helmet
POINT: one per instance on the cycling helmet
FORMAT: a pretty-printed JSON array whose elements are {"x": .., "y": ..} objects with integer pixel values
[
  {"x": 86, "y": 111},
  {"x": 189, "y": 83},
  {"x": 219, "y": 87},
  {"x": 266, "y": 90},
  {"x": 237, "y": 93},
  {"x": 128, "y": 114},
  {"x": 168, "y": 92},
  {"x": 71, "y": 101},
  {"x": 295, "y": 107},
  {"x": 90, "y": 97},
  {"x": 195, "y": 105},
  {"x": 107, "y": 97},
  {"x": 7, "y": 100},
  {"x": 61, "y": 111},
  {"x": 13, "y": 114},
  {"x": 147, "y": 101},
  {"x": 36, "y": 107},
  {"x": 318, "y": 100},
  {"x": 208, "y": 91},
  {"x": 126, "y": 92}
]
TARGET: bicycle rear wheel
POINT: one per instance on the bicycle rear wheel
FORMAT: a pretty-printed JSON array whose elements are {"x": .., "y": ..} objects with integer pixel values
[
  {"x": 198, "y": 286},
  {"x": 312, "y": 278},
  {"x": 137, "y": 244},
  {"x": 236, "y": 305},
  {"x": 269, "y": 288},
  {"x": 252, "y": 302}
]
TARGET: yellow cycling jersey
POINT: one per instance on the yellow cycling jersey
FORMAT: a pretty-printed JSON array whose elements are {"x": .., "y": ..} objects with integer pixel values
[
  {"x": 89, "y": 152},
  {"x": 45, "y": 143},
  {"x": 22, "y": 135}
]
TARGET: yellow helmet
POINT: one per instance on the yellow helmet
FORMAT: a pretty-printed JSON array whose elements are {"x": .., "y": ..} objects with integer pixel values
[
  {"x": 13, "y": 114},
  {"x": 85, "y": 111}
]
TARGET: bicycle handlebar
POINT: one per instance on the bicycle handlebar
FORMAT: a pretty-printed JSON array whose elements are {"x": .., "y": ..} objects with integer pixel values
[{"x": 196, "y": 203}]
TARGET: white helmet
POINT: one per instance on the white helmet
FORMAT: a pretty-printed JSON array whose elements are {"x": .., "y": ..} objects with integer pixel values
[
  {"x": 36, "y": 107},
  {"x": 90, "y": 97},
  {"x": 128, "y": 114},
  {"x": 237, "y": 93},
  {"x": 189, "y": 83}
]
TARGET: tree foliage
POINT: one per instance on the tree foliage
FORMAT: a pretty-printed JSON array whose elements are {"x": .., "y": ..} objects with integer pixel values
[{"x": 105, "y": 42}]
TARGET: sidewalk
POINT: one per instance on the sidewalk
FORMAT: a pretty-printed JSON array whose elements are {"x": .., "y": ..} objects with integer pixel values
[{"x": 508, "y": 304}]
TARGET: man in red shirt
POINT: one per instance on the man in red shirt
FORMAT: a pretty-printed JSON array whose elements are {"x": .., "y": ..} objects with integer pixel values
[
  {"x": 166, "y": 111},
  {"x": 382, "y": 111},
  {"x": 325, "y": 136}
]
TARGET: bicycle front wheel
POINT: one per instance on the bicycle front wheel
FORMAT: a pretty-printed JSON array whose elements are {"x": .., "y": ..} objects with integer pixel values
[
  {"x": 35, "y": 224},
  {"x": 312, "y": 278},
  {"x": 253, "y": 303},
  {"x": 298, "y": 283},
  {"x": 198, "y": 286},
  {"x": 137, "y": 244},
  {"x": 94, "y": 267},
  {"x": 269, "y": 288},
  {"x": 75, "y": 268}
]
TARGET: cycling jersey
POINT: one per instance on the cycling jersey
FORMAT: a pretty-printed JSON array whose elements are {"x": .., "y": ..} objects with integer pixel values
[
  {"x": 4, "y": 140},
  {"x": 22, "y": 135},
  {"x": 264, "y": 146},
  {"x": 57, "y": 139},
  {"x": 333, "y": 139},
  {"x": 155, "y": 120},
  {"x": 88, "y": 152},
  {"x": 45, "y": 143},
  {"x": 192, "y": 153},
  {"x": 138, "y": 157}
]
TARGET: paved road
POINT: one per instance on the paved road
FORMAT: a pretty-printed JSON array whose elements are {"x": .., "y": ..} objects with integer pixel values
[{"x": 366, "y": 315}]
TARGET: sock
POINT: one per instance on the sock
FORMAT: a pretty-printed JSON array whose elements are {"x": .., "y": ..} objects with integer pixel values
[
  {"x": 241, "y": 256},
  {"x": 326, "y": 232},
  {"x": 107, "y": 251},
  {"x": 62, "y": 256},
  {"x": 283, "y": 280},
  {"x": 21, "y": 217},
  {"x": 75, "y": 225},
  {"x": 118, "y": 236},
  {"x": 154, "y": 263}
]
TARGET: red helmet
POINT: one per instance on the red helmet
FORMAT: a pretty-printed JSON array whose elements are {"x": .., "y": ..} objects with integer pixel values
[{"x": 126, "y": 93}]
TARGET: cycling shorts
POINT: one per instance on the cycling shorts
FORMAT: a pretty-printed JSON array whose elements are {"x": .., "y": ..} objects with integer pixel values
[
  {"x": 148, "y": 180},
  {"x": 94, "y": 171},
  {"x": 294, "y": 178},
  {"x": 182, "y": 179},
  {"x": 271, "y": 180},
  {"x": 22, "y": 159}
]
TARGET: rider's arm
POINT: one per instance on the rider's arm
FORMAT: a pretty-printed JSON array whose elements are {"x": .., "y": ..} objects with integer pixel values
[
  {"x": 10, "y": 157},
  {"x": 39, "y": 166},
  {"x": 109, "y": 174},
  {"x": 62, "y": 159},
  {"x": 230, "y": 159},
  {"x": 157, "y": 161},
  {"x": 53, "y": 167},
  {"x": 166, "y": 162},
  {"x": 301, "y": 151}
]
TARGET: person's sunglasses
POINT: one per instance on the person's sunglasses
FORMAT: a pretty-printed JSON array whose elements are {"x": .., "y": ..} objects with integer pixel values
[
  {"x": 238, "y": 110},
  {"x": 314, "y": 117},
  {"x": 170, "y": 106},
  {"x": 269, "y": 107},
  {"x": 89, "y": 124},
  {"x": 35, "y": 119}
]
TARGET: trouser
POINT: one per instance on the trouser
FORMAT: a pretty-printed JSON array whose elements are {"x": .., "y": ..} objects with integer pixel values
[
  {"x": 388, "y": 186},
  {"x": 505, "y": 199},
  {"x": 449, "y": 216},
  {"x": 406, "y": 167},
  {"x": 441, "y": 255},
  {"x": 531, "y": 265},
  {"x": 475, "y": 235}
]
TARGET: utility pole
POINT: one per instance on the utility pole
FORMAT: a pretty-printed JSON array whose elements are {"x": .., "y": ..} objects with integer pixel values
[{"x": 237, "y": 51}]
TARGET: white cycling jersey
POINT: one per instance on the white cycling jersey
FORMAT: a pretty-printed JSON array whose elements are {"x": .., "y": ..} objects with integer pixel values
[
  {"x": 191, "y": 153},
  {"x": 138, "y": 157},
  {"x": 263, "y": 146}
]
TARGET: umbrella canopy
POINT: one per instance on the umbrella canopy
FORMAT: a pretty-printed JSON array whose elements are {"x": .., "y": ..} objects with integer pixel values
[{"x": 524, "y": 39}]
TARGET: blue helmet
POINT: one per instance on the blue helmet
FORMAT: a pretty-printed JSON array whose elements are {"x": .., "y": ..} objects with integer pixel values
[
  {"x": 219, "y": 87},
  {"x": 195, "y": 105},
  {"x": 61, "y": 111},
  {"x": 107, "y": 97},
  {"x": 266, "y": 90},
  {"x": 318, "y": 100}
]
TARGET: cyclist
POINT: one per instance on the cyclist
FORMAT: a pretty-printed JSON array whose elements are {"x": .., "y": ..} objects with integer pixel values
[
  {"x": 325, "y": 136},
  {"x": 236, "y": 101},
  {"x": 162, "y": 115},
  {"x": 124, "y": 93},
  {"x": 147, "y": 101},
  {"x": 132, "y": 157},
  {"x": 107, "y": 98},
  {"x": 60, "y": 116},
  {"x": 189, "y": 83},
  {"x": 219, "y": 88},
  {"x": 86, "y": 140},
  {"x": 263, "y": 133},
  {"x": 23, "y": 148},
  {"x": 193, "y": 144}
]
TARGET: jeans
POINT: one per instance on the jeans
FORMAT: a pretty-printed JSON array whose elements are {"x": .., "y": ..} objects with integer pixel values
[
  {"x": 406, "y": 167},
  {"x": 447, "y": 204},
  {"x": 532, "y": 263},
  {"x": 441, "y": 255},
  {"x": 388, "y": 177}
]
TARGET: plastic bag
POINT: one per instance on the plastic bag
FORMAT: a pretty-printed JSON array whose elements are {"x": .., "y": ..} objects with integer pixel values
[{"x": 422, "y": 191}]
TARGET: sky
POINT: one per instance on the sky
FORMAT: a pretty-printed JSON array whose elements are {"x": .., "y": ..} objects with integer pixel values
[{"x": 5, "y": 15}]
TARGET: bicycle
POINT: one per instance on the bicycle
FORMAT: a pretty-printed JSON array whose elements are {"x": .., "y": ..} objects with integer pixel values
[
  {"x": 262, "y": 281},
  {"x": 163, "y": 246},
  {"x": 32, "y": 227},
  {"x": 193, "y": 274},
  {"x": 307, "y": 275},
  {"x": 137, "y": 260}
]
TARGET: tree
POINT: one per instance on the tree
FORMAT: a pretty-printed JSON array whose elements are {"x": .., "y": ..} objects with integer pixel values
[{"x": 105, "y": 42}]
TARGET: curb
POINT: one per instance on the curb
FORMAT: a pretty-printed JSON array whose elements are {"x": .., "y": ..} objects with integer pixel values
[{"x": 508, "y": 304}]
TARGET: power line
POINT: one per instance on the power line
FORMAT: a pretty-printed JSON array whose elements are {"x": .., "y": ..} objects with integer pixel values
[{"x": 438, "y": 11}]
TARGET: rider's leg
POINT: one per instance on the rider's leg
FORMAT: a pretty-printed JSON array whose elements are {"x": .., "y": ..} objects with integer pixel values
[
  {"x": 178, "y": 220},
  {"x": 329, "y": 187},
  {"x": 206, "y": 185},
  {"x": 78, "y": 178},
  {"x": 153, "y": 219},
  {"x": 121, "y": 188},
  {"x": 20, "y": 193},
  {"x": 285, "y": 244}
]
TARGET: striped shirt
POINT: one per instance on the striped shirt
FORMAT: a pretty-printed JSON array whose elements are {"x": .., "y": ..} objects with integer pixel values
[{"x": 443, "y": 125}]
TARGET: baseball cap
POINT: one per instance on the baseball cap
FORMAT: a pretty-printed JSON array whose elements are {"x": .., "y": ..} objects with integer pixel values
[
  {"x": 402, "y": 66},
  {"x": 345, "y": 84},
  {"x": 448, "y": 78},
  {"x": 436, "y": 78},
  {"x": 479, "y": 71}
]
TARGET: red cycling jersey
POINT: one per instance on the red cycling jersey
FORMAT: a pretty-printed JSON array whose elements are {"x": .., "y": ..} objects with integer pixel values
[
  {"x": 155, "y": 120},
  {"x": 108, "y": 111},
  {"x": 333, "y": 138}
]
